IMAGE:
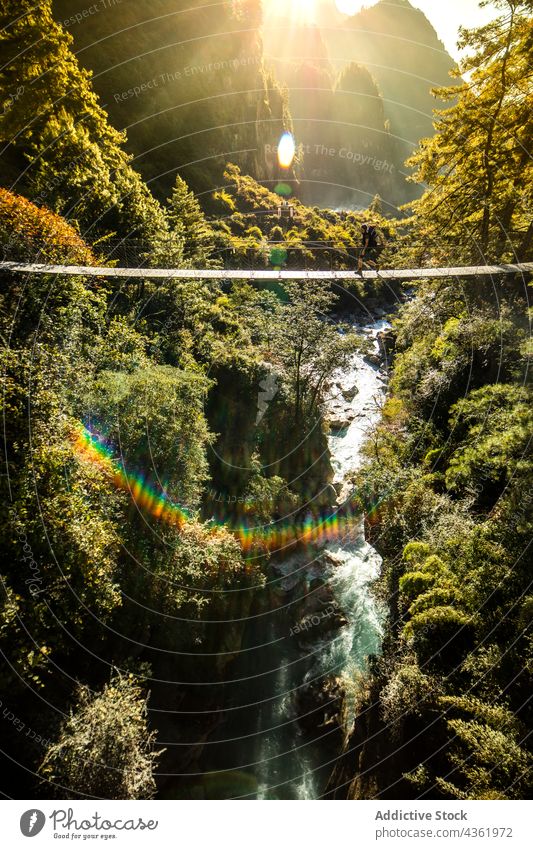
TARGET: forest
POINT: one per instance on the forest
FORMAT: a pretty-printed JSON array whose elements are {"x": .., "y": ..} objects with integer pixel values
[{"x": 167, "y": 444}]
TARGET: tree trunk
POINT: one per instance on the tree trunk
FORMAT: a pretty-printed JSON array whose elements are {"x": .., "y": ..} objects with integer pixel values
[{"x": 489, "y": 168}]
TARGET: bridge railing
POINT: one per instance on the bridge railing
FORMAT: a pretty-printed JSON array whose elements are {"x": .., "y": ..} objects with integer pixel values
[
  {"x": 306, "y": 255},
  {"x": 246, "y": 254}
]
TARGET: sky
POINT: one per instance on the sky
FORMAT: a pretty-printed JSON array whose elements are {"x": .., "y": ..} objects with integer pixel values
[
  {"x": 445, "y": 15},
  {"x": 448, "y": 15}
]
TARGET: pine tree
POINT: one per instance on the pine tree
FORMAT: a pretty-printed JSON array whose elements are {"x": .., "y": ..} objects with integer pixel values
[
  {"x": 478, "y": 165},
  {"x": 187, "y": 218},
  {"x": 56, "y": 140}
]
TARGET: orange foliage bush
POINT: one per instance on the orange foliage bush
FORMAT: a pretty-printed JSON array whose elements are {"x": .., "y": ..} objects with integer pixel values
[{"x": 33, "y": 234}]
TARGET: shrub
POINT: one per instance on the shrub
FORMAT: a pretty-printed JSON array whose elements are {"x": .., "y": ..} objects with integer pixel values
[
  {"x": 405, "y": 693},
  {"x": 414, "y": 584},
  {"x": 440, "y": 635},
  {"x": 104, "y": 747},
  {"x": 31, "y": 233}
]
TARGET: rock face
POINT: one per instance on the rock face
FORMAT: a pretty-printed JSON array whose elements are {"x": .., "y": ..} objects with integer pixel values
[
  {"x": 321, "y": 707},
  {"x": 401, "y": 32},
  {"x": 387, "y": 346},
  {"x": 320, "y": 614}
]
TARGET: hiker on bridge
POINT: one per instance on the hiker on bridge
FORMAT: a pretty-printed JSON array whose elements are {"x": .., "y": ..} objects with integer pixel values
[{"x": 371, "y": 249}]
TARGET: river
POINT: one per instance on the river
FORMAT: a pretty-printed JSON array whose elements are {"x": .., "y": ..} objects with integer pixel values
[{"x": 307, "y": 645}]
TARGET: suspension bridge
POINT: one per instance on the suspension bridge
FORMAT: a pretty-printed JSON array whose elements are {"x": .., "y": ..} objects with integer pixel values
[{"x": 399, "y": 274}]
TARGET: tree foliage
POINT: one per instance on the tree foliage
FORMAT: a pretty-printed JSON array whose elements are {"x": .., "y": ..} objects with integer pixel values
[
  {"x": 104, "y": 747},
  {"x": 478, "y": 164},
  {"x": 57, "y": 142},
  {"x": 446, "y": 477}
]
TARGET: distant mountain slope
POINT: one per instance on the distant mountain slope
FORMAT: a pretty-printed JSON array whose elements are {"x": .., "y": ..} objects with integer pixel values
[
  {"x": 339, "y": 122},
  {"x": 189, "y": 82},
  {"x": 360, "y": 97},
  {"x": 185, "y": 79},
  {"x": 401, "y": 49}
]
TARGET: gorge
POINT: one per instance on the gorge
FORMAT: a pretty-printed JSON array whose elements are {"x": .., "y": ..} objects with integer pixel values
[
  {"x": 309, "y": 635},
  {"x": 255, "y": 542}
]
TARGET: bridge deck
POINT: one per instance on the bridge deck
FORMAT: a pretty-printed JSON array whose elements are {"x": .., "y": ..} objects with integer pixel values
[{"x": 268, "y": 274}]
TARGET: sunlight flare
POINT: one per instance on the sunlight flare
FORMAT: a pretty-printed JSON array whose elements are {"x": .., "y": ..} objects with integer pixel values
[
  {"x": 286, "y": 150},
  {"x": 299, "y": 11},
  {"x": 348, "y": 7}
]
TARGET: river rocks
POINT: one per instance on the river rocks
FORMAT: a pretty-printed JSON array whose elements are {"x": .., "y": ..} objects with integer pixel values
[
  {"x": 336, "y": 391},
  {"x": 318, "y": 626},
  {"x": 387, "y": 342},
  {"x": 320, "y": 614},
  {"x": 339, "y": 409},
  {"x": 296, "y": 569},
  {"x": 340, "y": 417},
  {"x": 290, "y": 582},
  {"x": 374, "y": 359},
  {"x": 350, "y": 392}
]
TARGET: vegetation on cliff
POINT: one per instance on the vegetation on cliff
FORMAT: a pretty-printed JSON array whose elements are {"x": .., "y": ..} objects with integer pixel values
[
  {"x": 112, "y": 401},
  {"x": 190, "y": 83},
  {"x": 446, "y": 485}
]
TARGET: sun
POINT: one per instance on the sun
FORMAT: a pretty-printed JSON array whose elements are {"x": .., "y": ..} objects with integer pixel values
[
  {"x": 298, "y": 11},
  {"x": 306, "y": 12},
  {"x": 348, "y": 7}
]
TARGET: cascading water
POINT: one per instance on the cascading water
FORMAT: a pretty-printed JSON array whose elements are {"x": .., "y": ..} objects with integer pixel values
[{"x": 320, "y": 624}]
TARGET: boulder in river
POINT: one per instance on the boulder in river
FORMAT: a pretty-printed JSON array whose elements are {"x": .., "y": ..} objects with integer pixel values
[
  {"x": 387, "y": 341},
  {"x": 350, "y": 392},
  {"x": 340, "y": 416}
]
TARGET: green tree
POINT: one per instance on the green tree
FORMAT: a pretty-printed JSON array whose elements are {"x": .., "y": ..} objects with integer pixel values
[
  {"x": 478, "y": 164},
  {"x": 309, "y": 347},
  {"x": 104, "y": 748},
  {"x": 154, "y": 419},
  {"x": 187, "y": 218},
  {"x": 57, "y": 143},
  {"x": 497, "y": 424},
  {"x": 445, "y": 484}
]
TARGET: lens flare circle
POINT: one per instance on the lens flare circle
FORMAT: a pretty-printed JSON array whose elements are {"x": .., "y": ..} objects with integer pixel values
[
  {"x": 283, "y": 190},
  {"x": 286, "y": 150}
]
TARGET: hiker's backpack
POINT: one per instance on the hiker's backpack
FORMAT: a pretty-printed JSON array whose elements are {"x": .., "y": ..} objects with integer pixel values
[{"x": 372, "y": 237}]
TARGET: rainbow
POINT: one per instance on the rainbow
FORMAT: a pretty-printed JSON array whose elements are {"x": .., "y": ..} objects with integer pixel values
[{"x": 91, "y": 447}]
